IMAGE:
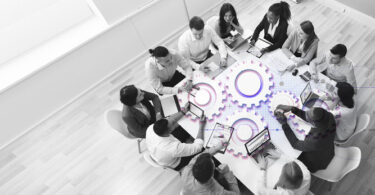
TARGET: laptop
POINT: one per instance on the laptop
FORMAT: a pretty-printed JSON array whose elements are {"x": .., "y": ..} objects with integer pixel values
[
  {"x": 169, "y": 105},
  {"x": 308, "y": 97},
  {"x": 195, "y": 110},
  {"x": 218, "y": 134},
  {"x": 258, "y": 142},
  {"x": 259, "y": 44},
  {"x": 213, "y": 64},
  {"x": 236, "y": 41}
]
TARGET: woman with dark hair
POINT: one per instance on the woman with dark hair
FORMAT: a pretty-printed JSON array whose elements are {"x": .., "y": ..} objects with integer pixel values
[
  {"x": 227, "y": 21},
  {"x": 346, "y": 111},
  {"x": 275, "y": 26},
  {"x": 161, "y": 70},
  {"x": 303, "y": 43}
]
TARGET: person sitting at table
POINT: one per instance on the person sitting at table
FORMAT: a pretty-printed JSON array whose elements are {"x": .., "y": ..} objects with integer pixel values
[
  {"x": 335, "y": 65},
  {"x": 194, "y": 43},
  {"x": 166, "y": 149},
  {"x": 138, "y": 113},
  {"x": 346, "y": 110},
  {"x": 303, "y": 43},
  {"x": 275, "y": 26},
  {"x": 201, "y": 177},
  {"x": 318, "y": 146},
  {"x": 161, "y": 70},
  {"x": 227, "y": 21},
  {"x": 294, "y": 179}
]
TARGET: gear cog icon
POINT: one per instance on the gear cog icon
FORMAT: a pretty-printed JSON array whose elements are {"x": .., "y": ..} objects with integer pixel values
[
  {"x": 249, "y": 84},
  {"x": 208, "y": 96},
  {"x": 246, "y": 125}
]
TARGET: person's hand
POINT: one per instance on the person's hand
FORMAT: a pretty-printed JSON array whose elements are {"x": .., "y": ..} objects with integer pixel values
[
  {"x": 181, "y": 89},
  {"x": 262, "y": 162},
  {"x": 224, "y": 168},
  {"x": 315, "y": 78},
  {"x": 280, "y": 117},
  {"x": 291, "y": 67},
  {"x": 274, "y": 154},
  {"x": 223, "y": 63},
  {"x": 285, "y": 108},
  {"x": 187, "y": 106},
  {"x": 206, "y": 69},
  {"x": 263, "y": 50},
  {"x": 158, "y": 116},
  {"x": 189, "y": 85},
  {"x": 203, "y": 120},
  {"x": 252, "y": 42}
]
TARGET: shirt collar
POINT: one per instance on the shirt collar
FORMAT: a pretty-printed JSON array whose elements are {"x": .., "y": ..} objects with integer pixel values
[{"x": 192, "y": 36}]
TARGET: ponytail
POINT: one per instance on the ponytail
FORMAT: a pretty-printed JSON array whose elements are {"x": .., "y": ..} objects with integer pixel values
[
  {"x": 159, "y": 51},
  {"x": 281, "y": 9}
]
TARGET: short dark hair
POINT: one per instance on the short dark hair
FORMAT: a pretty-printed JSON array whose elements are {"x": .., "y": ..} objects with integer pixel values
[
  {"x": 197, "y": 23},
  {"x": 159, "y": 51},
  {"x": 128, "y": 95},
  {"x": 339, "y": 49},
  {"x": 345, "y": 91},
  {"x": 203, "y": 169},
  {"x": 161, "y": 126}
]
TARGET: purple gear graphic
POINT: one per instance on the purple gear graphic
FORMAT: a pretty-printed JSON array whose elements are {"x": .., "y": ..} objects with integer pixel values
[
  {"x": 249, "y": 94},
  {"x": 246, "y": 125},
  {"x": 214, "y": 98}
]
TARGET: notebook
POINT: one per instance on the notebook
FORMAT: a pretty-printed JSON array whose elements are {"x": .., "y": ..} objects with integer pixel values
[{"x": 170, "y": 105}]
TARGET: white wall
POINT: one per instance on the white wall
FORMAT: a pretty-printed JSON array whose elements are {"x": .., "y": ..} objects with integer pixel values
[{"x": 31, "y": 101}]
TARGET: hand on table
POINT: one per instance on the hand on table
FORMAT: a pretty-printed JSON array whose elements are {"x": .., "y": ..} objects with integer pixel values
[
  {"x": 273, "y": 153},
  {"x": 186, "y": 108},
  {"x": 291, "y": 67},
  {"x": 252, "y": 42},
  {"x": 203, "y": 120},
  {"x": 285, "y": 108},
  {"x": 189, "y": 85},
  {"x": 315, "y": 78},
  {"x": 223, "y": 63},
  {"x": 262, "y": 162},
  {"x": 280, "y": 117}
]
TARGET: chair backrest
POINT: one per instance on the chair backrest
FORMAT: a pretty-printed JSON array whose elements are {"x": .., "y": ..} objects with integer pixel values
[
  {"x": 150, "y": 160},
  {"x": 344, "y": 161},
  {"x": 211, "y": 22},
  {"x": 363, "y": 121},
  {"x": 114, "y": 119}
]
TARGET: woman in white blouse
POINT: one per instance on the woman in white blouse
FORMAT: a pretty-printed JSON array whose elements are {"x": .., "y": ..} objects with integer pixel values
[{"x": 303, "y": 43}]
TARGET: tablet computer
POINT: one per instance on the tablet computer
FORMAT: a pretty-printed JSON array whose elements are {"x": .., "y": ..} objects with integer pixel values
[
  {"x": 194, "y": 109},
  {"x": 219, "y": 134},
  {"x": 170, "y": 105}
]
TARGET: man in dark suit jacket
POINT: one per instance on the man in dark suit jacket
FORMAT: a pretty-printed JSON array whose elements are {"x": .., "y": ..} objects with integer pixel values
[
  {"x": 318, "y": 146},
  {"x": 138, "y": 113}
]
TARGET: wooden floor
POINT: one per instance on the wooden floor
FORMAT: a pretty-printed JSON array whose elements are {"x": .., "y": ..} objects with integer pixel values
[{"x": 75, "y": 152}]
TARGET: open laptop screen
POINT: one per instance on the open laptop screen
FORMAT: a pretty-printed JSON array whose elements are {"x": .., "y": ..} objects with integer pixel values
[
  {"x": 259, "y": 140},
  {"x": 306, "y": 93}
]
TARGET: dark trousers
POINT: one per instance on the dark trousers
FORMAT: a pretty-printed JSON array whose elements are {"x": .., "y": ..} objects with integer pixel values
[
  {"x": 184, "y": 161},
  {"x": 177, "y": 77}
]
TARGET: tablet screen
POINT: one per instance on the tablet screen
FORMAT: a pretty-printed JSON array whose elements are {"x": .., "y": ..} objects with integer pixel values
[
  {"x": 219, "y": 134},
  {"x": 194, "y": 109}
]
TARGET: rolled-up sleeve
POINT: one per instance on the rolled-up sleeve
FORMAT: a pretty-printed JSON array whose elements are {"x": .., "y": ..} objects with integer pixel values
[
  {"x": 218, "y": 42},
  {"x": 185, "y": 64},
  {"x": 183, "y": 46},
  {"x": 156, "y": 83},
  {"x": 184, "y": 149}
]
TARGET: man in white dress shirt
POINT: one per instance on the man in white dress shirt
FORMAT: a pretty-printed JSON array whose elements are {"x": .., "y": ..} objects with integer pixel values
[
  {"x": 194, "y": 43},
  {"x": 335, "y": 65},
  {"x": 166, "y": 149}
]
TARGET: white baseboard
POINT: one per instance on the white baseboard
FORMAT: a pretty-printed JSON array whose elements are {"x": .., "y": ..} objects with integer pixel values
[{"x": 349, "y": 11}]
